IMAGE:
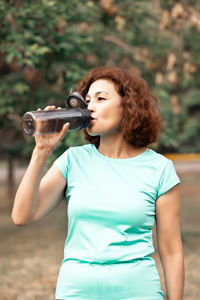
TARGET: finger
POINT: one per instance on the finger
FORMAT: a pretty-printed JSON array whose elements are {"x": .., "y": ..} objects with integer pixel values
[
  {"x": 47, "y": 107},
  {"x": 64, "y": 130},
  {"x": 65, "y": 127},
  {"x": 59, "y": 107},
  {"x": 52, "y": 107},
  {"x": 39, "y": 109}
]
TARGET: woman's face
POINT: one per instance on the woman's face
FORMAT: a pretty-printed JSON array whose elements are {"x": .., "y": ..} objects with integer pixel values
[{"x": 104, "y": 102}]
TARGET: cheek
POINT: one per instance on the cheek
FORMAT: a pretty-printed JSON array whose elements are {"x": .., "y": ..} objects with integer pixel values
[
  {"x": 116, "y": 115},
  {"x": 112, "y": 114}
]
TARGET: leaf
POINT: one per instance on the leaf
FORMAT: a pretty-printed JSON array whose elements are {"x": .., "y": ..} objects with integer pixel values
[
  {"x": 42, "y": 50},
  {"x": 21, "y": 88}
]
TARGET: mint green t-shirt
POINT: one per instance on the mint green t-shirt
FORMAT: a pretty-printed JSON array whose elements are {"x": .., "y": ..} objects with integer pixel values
[{"x": 111, "y": 203}]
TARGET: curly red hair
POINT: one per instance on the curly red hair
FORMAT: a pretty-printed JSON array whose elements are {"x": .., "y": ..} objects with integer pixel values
[{"x": 141, "y": 122}]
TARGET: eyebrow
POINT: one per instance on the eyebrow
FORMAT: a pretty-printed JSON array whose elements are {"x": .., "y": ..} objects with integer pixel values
[{"x": 97, "y": 93}]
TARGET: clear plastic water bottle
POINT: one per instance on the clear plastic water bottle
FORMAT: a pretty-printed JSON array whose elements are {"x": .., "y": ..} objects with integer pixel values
[{"x": 51, "y": 121}]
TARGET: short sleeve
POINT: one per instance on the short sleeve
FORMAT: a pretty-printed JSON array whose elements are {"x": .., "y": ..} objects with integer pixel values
[
  {"x": 63, "y": 163},
  {"x": 168, "y": 179}
]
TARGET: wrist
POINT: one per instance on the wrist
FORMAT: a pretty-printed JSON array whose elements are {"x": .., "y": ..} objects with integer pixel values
[{"x": 41, "y": 153}]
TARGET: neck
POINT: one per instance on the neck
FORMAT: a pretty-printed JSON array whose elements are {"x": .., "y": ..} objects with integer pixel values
[{"x": 115, "y": 146}]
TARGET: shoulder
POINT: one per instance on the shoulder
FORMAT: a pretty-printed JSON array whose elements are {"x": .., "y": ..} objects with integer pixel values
[
  {"x": 165, "y": 175},
  {"x": 85, "y": 147},
  {"x": 159, "y": 160},
  {"x": 81, "y": 149},
  {"x": 73, "y": 157},
  {"x": 164, "y": 168},
  {"x": 82, "y": 153}
]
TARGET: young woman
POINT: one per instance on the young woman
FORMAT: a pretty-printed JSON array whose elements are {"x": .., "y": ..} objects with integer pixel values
[{"x": 117, "y": 187}]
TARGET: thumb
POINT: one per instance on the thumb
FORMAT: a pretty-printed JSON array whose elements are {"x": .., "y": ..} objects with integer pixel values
[{"x": 63, "y": 131}]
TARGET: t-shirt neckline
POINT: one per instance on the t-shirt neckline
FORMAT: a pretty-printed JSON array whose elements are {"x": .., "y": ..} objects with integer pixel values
[{"x": 120, "y": 159}]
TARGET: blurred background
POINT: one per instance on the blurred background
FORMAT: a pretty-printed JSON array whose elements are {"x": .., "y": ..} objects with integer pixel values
[{"x": 47, "y": 46}]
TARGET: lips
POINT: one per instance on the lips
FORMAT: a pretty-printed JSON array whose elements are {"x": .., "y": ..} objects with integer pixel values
[{"x": 92, "y": 119}]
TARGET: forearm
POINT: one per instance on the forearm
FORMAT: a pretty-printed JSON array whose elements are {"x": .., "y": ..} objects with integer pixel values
[
  {"x": 26, "y": 198},
  {"x": 173, "y": 266}
]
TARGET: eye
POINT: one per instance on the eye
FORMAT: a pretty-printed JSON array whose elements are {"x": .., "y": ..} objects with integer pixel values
[{"x": 99, "y": 99}]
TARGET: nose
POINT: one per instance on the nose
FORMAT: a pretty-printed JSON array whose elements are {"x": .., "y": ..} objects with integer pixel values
[{"x": 91, "y": 106}]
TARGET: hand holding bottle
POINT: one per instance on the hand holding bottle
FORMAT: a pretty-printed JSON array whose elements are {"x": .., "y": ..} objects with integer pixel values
[
  {"x": 50, "y": 125},
  {"x": 48, "y": 142}
]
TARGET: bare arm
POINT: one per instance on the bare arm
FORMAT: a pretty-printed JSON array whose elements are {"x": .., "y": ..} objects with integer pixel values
[
  {"x": 37, "y": 196},
  {"x": 170, "y": 243}
]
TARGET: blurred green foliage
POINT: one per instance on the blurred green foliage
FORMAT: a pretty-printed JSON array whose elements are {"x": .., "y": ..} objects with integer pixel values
[{"x": 47, "y": 46}]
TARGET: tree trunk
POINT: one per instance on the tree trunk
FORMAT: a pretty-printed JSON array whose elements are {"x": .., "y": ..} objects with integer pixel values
[{"x": 10, "y": 178}]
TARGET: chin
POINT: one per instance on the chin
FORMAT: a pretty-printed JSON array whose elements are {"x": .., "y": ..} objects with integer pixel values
[{"x": 92, "y": 133}]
